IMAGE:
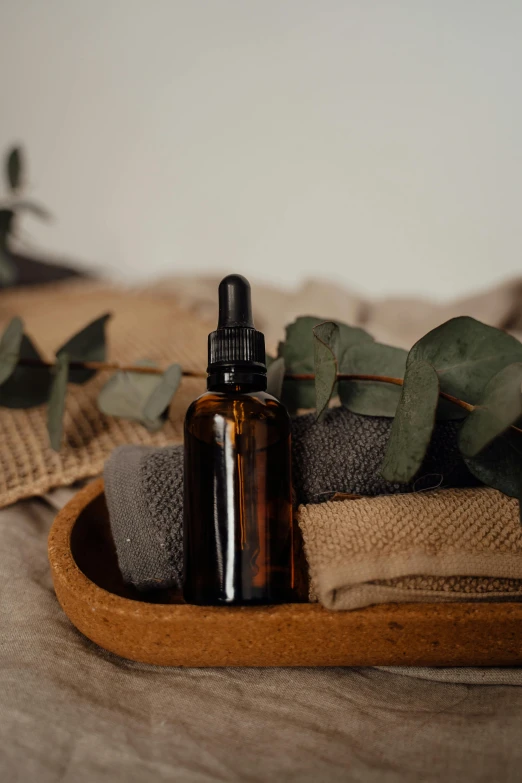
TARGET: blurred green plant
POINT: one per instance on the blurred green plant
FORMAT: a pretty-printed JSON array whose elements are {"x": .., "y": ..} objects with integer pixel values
[{"x": 12, "y": 206}]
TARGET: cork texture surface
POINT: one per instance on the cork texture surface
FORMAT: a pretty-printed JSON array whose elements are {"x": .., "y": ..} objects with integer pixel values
[{"x": 91, "y": 592}]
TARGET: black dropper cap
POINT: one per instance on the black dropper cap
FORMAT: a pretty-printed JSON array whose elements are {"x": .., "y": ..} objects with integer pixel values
[{"x": 236, "y": 350}]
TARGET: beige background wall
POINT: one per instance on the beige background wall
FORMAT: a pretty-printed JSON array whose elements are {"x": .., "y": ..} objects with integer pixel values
[{"x": 375, "y": 142}]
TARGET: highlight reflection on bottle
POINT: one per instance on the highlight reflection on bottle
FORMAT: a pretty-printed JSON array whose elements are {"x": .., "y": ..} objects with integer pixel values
[{"x": 238, "y": 523}]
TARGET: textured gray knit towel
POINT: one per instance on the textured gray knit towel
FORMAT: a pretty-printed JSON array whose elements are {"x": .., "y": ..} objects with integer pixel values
[
  {"x": 342, "y": 453},
  {"x": 144, "y": 492}
]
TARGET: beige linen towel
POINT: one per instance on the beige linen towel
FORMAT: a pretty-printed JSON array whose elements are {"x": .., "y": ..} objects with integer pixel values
[{"x": 448, "y": 545}]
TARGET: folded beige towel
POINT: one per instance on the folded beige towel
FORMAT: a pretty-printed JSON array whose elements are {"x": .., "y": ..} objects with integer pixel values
[{"x": 449, "y": 545}]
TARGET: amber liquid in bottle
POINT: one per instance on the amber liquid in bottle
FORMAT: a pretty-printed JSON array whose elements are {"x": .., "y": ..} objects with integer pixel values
[
  {"x": 239, "y": 535},
  {"x": 239, "y": 528}
]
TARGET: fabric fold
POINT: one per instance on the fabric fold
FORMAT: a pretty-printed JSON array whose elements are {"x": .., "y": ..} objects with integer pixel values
[
  {"x": 144, "y": 492},
  {"x": 447, "y": 545}
]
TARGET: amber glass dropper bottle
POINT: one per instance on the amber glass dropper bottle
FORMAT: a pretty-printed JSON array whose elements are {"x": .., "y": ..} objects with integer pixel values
[{"x": 238, "y": 529}]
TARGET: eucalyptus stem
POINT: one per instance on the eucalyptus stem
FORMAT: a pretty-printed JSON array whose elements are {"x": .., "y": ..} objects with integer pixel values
[
  {"x": 380, "y": 379},
  {"x": 99, "y": 366}
]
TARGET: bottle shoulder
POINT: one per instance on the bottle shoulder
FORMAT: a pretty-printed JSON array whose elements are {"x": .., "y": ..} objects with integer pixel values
[{"x": 253, "y": 405}]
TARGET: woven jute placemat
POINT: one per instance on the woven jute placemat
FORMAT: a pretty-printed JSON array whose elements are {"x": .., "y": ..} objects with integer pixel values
[{"x": 144, "y": 325}]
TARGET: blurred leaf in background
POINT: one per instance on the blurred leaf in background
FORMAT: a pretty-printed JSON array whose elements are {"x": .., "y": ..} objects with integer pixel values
[
  {"x": 10, "y": 343},
  {"x": 57, "y": 396},
  {"x": 275, "y": 376},
  {"x": 14, "y": 168},
  {"x": 88, "y": 345},
  {"x": 140, "y": 397},
  {"x": 21, "y": 386}
]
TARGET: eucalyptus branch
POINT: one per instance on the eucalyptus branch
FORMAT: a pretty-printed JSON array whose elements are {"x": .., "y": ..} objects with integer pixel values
[{"x": 145, "y": 370}]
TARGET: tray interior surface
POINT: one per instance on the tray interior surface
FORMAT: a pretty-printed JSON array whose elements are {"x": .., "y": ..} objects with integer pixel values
[{"x": 92, "y": 548}]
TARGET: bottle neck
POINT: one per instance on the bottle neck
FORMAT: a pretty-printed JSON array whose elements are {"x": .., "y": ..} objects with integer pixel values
[{"x": 236, "y": 379}]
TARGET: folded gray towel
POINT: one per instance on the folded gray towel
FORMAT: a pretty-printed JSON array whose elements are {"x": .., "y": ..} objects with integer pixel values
[
  {"x": 144, "y": 493},
  {"x": 342, "y": 453}
]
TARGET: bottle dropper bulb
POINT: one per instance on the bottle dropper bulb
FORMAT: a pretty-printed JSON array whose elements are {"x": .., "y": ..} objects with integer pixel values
[{"x": 235, "y": 305}]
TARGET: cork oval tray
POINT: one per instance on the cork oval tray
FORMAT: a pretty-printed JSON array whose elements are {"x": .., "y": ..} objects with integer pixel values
[{"x": 118, "y": 618}]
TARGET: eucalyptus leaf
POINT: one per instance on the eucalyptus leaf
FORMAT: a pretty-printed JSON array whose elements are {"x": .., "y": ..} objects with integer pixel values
[
  {"x": 10, "y": 343},
  {"x": 372, "y": 398},
  {"x": 14, "y": 168},
  {"x": 8, "y": 273},
  {"x": 466, "y": 354},
  {"x": 27, "y": 386},
  {"x": 275, "y": 376},
  {"x": 298, "y": 353},
  {"x": 57, "y": 397},
  {"x": 499, "y": 465},
  {"x": 298, "y": 395},
  {"x": 127, "y": 394},
  {"x": 499, "y": 407},
  {"x": 6, "y": 224},
  {"x": 159, "y": 401},
  {"x": 88, "y": 345},
  {"x": 413, "y": 424},
  {"x": 326, "y": 347}
]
